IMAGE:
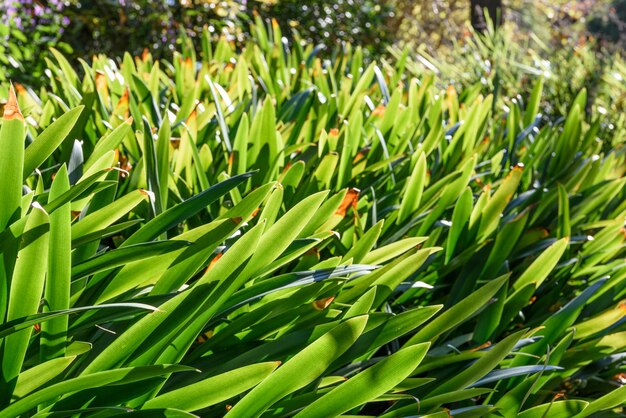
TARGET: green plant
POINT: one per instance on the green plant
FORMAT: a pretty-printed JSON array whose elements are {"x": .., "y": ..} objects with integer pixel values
[{"x": 273, "y": 233}]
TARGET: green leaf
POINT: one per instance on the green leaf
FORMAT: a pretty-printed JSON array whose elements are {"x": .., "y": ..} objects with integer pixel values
[
  {"x": 611, "y": 400},
  {"x": 37, "y": 376},
  {"x": 124, "y": 255},
  {"x": 537, "y": 272},
  {"x": 486, "y": 363},
  {"x": 12, "y": 161},
  {"x": 49, "y": 140},
  {"x": 412, "y": 196},
  {"x": 109, "y": 377},
  {"x": 214, "y": 389},
  {"x": 26, "y": 289},
  {"x": 184, "y": 210},
  {"x": 57, "y": 285},
  {"x": 490, "y": 216},
  {"x": 306, "y": 366},
  {"x": 18, "y": 324},
  {"x": 558, "y": 409},
  {"x": 369, "y": 384},
  {"x": 459, "y": 313},
  {"x": 106, "y": 216},
  {"x": 460, "y": 219}
]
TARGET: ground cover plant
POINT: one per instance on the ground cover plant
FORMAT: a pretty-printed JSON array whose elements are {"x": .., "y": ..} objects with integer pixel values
[{"x": 277, "y": 232}]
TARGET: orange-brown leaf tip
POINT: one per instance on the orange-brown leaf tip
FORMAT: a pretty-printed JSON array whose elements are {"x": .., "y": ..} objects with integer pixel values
[
  {"x": 278, "y": 363},
  {"x": 519, "y": 167},
  {"x": 229, "y": 407},
  {"x": 20, "y": 88},
  {"x": 145, "y": 54},
  {"x": 129, "y": 121},
  {"x": 11, "y": 108},
  {"x": 101, "y": 81},
  {"x": 359, "y": 156},
  {"x": 192, "y": 115},
  {"x": 451, "y": 91},
  {"x": 274, "y": 23},
  {"x": 312, "y": 251},
  {"x": 237, "y": 220},
  {"x": 255, "y": 212},
  {"x": 212, "y": 263},
  {"x": 351, "y": 199},
  {"x": 334, "y": 132},
  {"x": 379, "y": 111},
  {"x": 480, "y": 347},
  {"x": 144, "y": 192},
  {"x": 620, "y": 378},
  {"x": 322, "y": 304}
]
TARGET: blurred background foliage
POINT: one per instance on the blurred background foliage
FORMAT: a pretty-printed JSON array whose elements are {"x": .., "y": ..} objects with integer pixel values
[{"x": 573, "y": 40}]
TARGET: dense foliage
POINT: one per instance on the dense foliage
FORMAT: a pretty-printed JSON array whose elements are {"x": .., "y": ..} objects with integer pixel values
[{"x": 278, "y": 232}]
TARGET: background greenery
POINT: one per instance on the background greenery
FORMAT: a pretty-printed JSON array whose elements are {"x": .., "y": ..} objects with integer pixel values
[{"x": 248, "y": 223}]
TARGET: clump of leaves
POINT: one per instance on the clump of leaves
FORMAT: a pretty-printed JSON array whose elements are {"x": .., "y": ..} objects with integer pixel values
[{"x": 267, "y": 233}]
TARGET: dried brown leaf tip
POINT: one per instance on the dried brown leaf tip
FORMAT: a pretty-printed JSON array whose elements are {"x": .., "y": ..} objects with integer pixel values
[
  {"x": 480, "y": 347},
  {"x": 204, "y": 337},
  {"x": 379, "y": 111},
  {"x": 11, "y": 108},
  {"x": 101, "y": 82},
  {"x": 20, "y": 88},
  {"x": 351, "y": 199},
  {"x": 322, "y": 304},
  {"x": 214, "y": 261},
  {"x": 360, "y": 156}
]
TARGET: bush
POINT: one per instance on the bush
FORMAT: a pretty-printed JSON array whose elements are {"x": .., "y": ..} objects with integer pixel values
[
  {"x": 27, "y": 29},
  {"x": 281, "y": 233},
  {"x": 360, "y": 23}
]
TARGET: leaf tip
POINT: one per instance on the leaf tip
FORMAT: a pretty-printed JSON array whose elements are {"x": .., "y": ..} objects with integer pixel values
[{"x": 11, "y": 108}]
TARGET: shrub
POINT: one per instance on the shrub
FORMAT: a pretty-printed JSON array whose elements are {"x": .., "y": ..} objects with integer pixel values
[
  {"x": 27, "y": 29},
  {"x": 274, "y": 233}
]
